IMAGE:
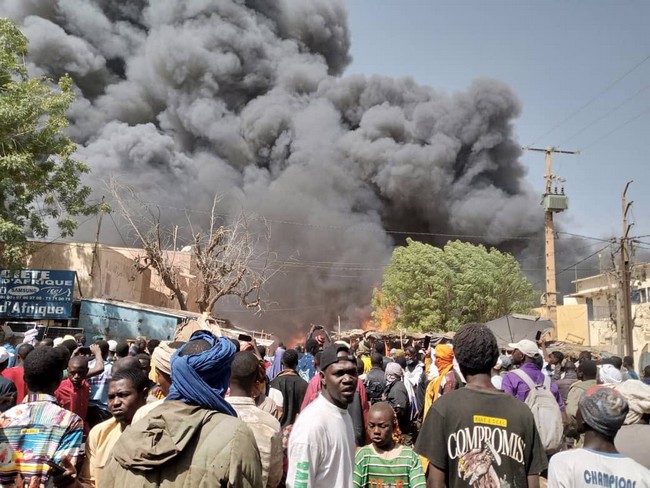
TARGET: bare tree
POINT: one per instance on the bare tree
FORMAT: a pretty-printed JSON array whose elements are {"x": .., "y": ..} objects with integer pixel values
[{"x": 228, "y": 259}]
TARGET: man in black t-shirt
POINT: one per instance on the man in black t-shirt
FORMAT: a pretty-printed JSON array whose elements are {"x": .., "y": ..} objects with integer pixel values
[
  {"x": 288, "y": 389},
  {"x": 478, "y": 436}
]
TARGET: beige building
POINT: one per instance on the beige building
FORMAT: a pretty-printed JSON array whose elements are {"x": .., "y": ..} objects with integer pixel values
[
  {"x": 109, "y": 272},
  {"x": 599, "y": 295},
  {"x": 107, "y": 277}
]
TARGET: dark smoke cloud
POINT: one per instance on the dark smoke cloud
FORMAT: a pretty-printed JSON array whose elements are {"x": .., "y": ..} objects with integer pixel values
[{"x": 183, "y": 98}]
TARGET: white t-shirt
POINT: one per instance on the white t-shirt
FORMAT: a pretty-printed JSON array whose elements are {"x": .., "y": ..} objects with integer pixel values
[
  {"x": 321, "y": 447},
  {"x": 589, "y": 469}
]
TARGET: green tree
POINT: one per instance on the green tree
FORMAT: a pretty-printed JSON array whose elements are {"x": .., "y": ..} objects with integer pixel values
[
  {"x": 39, "y": 177},
  {"x": 441, "y": 289}
]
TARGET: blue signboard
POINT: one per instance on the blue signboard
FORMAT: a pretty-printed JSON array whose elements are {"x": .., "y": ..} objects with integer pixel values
[{"x": 36, "y": 293}]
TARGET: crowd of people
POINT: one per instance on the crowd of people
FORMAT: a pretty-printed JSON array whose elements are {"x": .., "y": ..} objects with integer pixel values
[{"x": 214, "y": 411}]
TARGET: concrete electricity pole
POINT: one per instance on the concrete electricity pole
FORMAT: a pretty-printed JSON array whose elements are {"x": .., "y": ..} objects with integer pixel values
[
  {"x": 553, "y": 202},
  {"x": 626, "y": 295}
]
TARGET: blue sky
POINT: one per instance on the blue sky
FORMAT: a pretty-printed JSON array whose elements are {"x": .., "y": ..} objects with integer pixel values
[{"x": 557, "y": 56}]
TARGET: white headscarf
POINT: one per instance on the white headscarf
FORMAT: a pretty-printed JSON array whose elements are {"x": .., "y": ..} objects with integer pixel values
[
  {"x": 393, "y": 373},
  {"x": 609, "y": 375}
]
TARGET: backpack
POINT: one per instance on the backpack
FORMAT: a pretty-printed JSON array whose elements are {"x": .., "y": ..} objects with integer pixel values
[
  {"x": 546, "y": 412},
  {"x": 459, "y": 381},
  {"x": 374, "y": 390}
]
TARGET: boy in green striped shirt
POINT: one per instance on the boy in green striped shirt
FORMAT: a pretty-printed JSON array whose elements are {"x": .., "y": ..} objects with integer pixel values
[{"x": 385, "y": 463}]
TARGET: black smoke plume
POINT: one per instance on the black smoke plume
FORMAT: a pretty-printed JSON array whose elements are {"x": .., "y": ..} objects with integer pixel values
[{"x": 185, "y": 98}]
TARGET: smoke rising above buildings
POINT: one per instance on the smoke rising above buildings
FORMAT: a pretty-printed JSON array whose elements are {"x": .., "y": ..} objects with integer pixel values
[{"x": 185, "y": 98}]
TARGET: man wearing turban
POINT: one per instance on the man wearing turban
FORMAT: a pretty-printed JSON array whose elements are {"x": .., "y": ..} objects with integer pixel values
[
  {"x": 194, "y": 434},
  {"x": 446, "y": 381}
]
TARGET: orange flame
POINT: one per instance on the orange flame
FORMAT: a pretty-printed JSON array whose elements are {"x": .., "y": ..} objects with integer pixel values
[
  {"x": 296, "y": 339},
  {"x": 383, "y": 315}
]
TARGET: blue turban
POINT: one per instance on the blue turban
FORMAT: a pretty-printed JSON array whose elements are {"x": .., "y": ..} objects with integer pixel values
[{"x": 202, "y": 379}]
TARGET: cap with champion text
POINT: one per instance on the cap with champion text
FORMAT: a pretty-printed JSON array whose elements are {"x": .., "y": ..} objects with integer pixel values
[
  {"x": 332, "y": 354},
  {"x": 526, "y": 346}
]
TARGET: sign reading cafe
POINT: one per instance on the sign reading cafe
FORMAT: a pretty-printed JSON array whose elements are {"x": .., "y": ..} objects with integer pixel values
[{"x": 36, "y": 293}]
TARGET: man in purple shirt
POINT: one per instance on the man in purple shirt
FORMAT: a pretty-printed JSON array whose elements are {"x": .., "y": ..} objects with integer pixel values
[{"x": 527, "y": 354}]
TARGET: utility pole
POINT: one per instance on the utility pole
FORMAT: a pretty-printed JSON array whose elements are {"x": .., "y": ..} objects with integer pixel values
[
  {"x": 619, "y": 321},
  {"x": 553, "y": 202},
  {"x": 626, "y": 295}
]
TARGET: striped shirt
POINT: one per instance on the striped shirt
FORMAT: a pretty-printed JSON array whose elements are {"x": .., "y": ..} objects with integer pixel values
[
  {"x": 403, "y": 470},
  {"x": 99, "y": 386},
  {"x": 34, "y": 432}
]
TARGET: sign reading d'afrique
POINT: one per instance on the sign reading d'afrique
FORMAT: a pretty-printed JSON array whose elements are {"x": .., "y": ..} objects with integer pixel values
[{"x": 36, "y": 293}]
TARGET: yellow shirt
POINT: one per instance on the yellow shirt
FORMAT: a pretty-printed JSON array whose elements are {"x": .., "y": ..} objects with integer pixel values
[
  {"x": 367, "y": 365},
  {"x": 99, "y": 445}
]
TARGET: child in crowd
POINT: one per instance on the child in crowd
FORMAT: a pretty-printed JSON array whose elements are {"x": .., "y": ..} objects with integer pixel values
[{"x": 386, "y": 462}]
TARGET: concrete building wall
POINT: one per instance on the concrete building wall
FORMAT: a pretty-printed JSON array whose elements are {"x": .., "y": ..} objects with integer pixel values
[
  {"x": 572, "y": 324},
  {"x": 114, "y": 273}
]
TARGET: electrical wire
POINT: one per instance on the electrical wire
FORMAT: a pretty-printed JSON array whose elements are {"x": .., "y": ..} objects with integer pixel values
[
  {"x": 117, "y": 229},
  {"x": 43, "y": 244},
  {"x": 605, "y": 115},
  {"x": 584, "y": 237},
  {"x": 594, "y": 98},
  {"x": 387, "y": 231},
  {"x": 571, "y": 267},
  {"x": 615, "y": 129},
  {"x": 319, "y": 307},
  {"x": 321, "y": 226},
  {"x": 584, "y": 259}
]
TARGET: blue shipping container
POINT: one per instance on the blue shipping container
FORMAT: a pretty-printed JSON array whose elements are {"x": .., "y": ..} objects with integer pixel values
[{"x": 122, "y": 320}]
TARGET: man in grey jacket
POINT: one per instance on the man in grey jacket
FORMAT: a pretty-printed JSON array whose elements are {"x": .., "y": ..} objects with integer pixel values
[{"x": 193, "y": 439}]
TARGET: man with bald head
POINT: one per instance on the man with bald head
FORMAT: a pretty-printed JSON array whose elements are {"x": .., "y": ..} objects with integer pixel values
[{"x": 126, "y": 363}]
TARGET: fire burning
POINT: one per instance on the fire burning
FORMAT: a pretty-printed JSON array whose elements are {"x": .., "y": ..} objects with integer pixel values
[{"x": 383, "y": 315}]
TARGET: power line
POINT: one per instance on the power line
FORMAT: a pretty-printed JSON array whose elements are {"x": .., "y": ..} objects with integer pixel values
[
  {"x": 578, "y": 250},
  {"x": 118, "y": 230},
  {"x": 615, "y": 129},
  {"x": 607, "y": 114},
  {"x": 584, "y": 237},
  {"x": 319, "y": 307},
  {"x": 572, "y": 266},
  {"x": 584, "y": 259},
  {"x": 387, "y": 231},
  {"x": 594, "y": 98},
  {"x": 321, "y": 226},
  {"x": 61, "y": 235}
]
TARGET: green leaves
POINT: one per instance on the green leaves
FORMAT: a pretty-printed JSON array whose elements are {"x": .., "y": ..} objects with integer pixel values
[
  {"x": 39, "y": 177},
  {"x": 442, "y": 289}
]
